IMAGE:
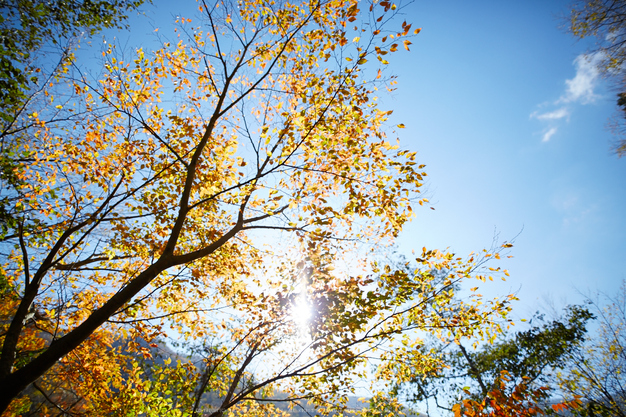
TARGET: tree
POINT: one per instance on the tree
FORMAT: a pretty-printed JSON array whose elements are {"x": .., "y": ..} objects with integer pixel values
[
  {"x": 38, "y": 39},
  {"x": 142, "y": 199},
  {"x": 606, "y": 21},
  {"x": 518, "y": 369},
  {"x": 597, "y": 372},
  {"x": 27, "y": 26}
]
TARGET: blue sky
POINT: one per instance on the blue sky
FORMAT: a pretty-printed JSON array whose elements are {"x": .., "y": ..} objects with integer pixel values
[
  {"x": 510, "y": 121},
  {"x": 511, "y": 124}
]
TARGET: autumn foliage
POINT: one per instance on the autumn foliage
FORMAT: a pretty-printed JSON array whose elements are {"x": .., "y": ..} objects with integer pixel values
[
  {"x": 519, "y": 400},
  {"x": 205, "y": 192}
]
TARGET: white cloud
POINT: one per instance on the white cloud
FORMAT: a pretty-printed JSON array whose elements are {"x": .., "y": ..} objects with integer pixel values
[
  {"x": 548, "y": 134},
  {"x": 553, "y": 115},
  {"x": 580, "y": 88}
]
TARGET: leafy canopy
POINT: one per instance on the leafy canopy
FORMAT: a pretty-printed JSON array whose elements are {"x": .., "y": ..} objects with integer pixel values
[
  {"x": 516, "y": 368},
  {"x": 206, "y": 191},
  {"x": 26, "y": 26}
]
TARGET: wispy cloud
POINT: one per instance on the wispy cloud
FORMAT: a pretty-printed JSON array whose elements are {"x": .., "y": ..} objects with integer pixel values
[
  {"x": 578, "y": 90},
  {"x": 552, "y": 115},
  {"x": 573, "y": 208},
  {"x": 549, "y": 133}
]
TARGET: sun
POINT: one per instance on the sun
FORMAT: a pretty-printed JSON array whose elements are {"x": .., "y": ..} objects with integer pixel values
[{"x": 301, "y": 312}]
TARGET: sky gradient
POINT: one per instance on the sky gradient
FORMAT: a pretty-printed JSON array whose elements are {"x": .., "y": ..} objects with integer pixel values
[{"x": 510, "y": 120}]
